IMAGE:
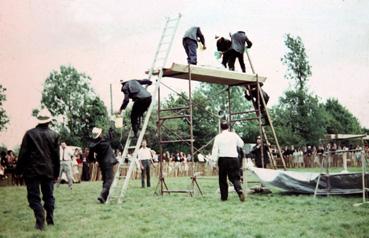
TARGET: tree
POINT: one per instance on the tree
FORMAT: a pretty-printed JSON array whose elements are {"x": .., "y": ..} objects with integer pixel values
[
  {"x": 340, "y": 120},
  {"x": 3, "y": 116},
  {"x": 69, "y": 97},
  {"x": 298, "y": 115}
]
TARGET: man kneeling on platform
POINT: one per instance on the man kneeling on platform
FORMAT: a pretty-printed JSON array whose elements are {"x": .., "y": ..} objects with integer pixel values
[
  {"x": 106, "y": 158},
  {"x": 225, "y": 151}
]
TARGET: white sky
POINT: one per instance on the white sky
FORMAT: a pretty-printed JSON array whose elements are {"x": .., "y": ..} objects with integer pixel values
[{"x": 111, "y": 40}]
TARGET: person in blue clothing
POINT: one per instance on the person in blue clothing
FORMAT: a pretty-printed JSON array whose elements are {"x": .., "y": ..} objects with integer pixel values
[{"x": 190, "y": 39}]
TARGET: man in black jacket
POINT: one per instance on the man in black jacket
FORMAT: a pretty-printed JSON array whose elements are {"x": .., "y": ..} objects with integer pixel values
[
  {"x": 106, "y": 158},
  {"x": 142, "y": 99},
  {"x": 39, "y": 164},
  {"x": 256, "y": 151}
]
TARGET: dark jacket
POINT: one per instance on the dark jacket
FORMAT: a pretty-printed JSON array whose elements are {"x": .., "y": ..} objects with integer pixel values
[
  {"x": 256, "y": 152},
  {"x": 223, "y": 44},
  {"x": 104, "y": 153},
  {"x": 39, "y": 153},
  {"x": 238, "y": 41},
  {"x": 133, "y": 89}
]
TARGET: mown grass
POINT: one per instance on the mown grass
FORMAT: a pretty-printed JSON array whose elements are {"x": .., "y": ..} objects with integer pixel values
[{"x": 178, "y": 215}]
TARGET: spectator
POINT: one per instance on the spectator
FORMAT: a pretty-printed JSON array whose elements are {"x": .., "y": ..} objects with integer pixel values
[
  {"x": 66, "y": 156},
  {"x": 145, "y": 157}
]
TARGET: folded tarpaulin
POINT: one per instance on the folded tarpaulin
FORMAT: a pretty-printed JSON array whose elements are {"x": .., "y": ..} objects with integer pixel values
[{"x": 305, "y": 182}]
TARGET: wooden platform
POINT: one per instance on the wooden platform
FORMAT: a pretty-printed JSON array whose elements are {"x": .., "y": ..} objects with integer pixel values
[{"x": 211, "y": 75}]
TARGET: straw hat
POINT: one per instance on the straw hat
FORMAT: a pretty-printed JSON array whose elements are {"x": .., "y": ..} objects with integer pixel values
[
  {"x": 96, "y": 132},
  {"x": 44, "y": 116}
]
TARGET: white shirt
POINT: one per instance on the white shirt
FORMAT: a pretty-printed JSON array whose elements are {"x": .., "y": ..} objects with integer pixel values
[
  {"x": 225, "y": 145},
  {"x": 68, "y": 154},
  {"x": 144, "y": 154}
]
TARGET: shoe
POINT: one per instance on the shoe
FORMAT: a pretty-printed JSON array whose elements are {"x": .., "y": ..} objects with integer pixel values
[
  {"x": 40, "y": 220},
  {"x": 50, "y": 219},
  {"x": 242, "y": 197},
  {"x": 101, "y": 199}
]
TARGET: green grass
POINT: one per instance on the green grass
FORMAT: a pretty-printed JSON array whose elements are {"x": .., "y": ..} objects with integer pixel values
[{"x": 144, "y": 215}]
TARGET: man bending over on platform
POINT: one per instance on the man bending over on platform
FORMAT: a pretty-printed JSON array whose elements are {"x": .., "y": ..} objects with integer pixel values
[
  {"x": 237, "y": 49},
  {"x": 142, "y": 99},
  {"x": 106, "y": 158},
  {"x": 224, "y": 46},
  {"x": 225, "y": 151},
  {"x": 190, "y": 39}
]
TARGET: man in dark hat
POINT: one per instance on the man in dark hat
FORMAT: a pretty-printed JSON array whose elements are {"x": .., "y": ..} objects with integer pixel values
[
  {"x": 101, "y": 151},
  {"x": 142, "y": 99},
  {"x": 39, "y": 164}
]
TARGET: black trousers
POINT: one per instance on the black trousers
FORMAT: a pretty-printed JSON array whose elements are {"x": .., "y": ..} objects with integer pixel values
[
  {"x": 229, "y": 167},
  {"x": 138, "y": 109},
  {"x": 145, "y": 172},
  {"x": 33, "y": 195},
  {"x": 107, "y": 177},
  {"x": 232, "y": 55}
]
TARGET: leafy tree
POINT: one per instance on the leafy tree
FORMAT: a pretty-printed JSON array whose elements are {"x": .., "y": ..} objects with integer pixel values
[
  {"x": 3, "y": 117},
  {"x": 339, "y": 119},
  {"x": 69, "y": 96},
  {"x": 298, "y": 115}
]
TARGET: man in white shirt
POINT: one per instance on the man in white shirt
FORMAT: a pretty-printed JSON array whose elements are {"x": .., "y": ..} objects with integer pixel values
[
  {"x": 225, "y": 151},
  {"x": 145, "y": 156},
  {"x": 65, "y": 164}
]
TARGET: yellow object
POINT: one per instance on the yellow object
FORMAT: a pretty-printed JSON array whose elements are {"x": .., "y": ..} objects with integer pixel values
[{"x": 118, "y": 121}]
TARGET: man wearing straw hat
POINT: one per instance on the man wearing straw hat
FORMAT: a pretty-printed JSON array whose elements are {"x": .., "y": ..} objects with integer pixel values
[
  {"x": 101, "y": 151},
  {"x": 39, "y": 164}
]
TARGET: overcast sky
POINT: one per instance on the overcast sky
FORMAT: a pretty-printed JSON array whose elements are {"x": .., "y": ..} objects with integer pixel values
[{"x": 111, "y": 40}]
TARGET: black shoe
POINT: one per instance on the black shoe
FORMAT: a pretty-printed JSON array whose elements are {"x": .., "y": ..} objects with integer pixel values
[
  {"x": 50, "y": 219},
  {"x": 101, "y": 199},
  {"x": 242, "y": 197},
  {"x": 40, "y": 220}
]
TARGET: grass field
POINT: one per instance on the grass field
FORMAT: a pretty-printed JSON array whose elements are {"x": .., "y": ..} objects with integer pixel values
[{"x": 178, "y": 215}]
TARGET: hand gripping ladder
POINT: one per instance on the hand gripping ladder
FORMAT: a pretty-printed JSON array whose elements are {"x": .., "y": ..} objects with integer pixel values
[{"x": 120, "y": 183}]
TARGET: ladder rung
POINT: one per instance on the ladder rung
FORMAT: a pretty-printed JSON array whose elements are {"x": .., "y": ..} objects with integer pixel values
[
  {"x": 177, "y": 191},
  {"x": 173, "y": 117},
  {"x": 174, "y": 109},
  {"x": 246, "y": 119},
  {"x": 175, "y": 141}
]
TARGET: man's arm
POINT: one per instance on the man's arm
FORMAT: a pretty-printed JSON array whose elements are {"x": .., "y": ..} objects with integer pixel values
[
  {"x": 144, "y": 81},
  {"x": 19, "y": 169},
  {"x": 248, "y": 42},
  {"x": 215, "y": 150},
  {"x": 201, "y": 37},
  {"x": 56, "y": 157},
  {"x": 125, "y": 102}
]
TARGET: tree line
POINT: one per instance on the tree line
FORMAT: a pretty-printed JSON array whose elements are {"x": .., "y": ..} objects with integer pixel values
[{"x": 299, "y": 117}]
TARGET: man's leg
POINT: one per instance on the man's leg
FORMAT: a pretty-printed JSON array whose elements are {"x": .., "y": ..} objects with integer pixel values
[
  {"x": 192, "y": 52},
  {"x": 234, "y": 177},
  {"x": 135, "y": 114},
  {"x": 225, "y": 58},
  {"x": 223, "y": 185},
  {"x": 242, "y": 63},
  {"x": 148, "y": 175},
  {"x": 185, "y": 46},
  {"x": 107, "y": 181},
  {"x": 231, "y": 59},
  {"x": 47, "y": 189},
  {"x": 60, "y": 174},
  {"x": 143, "y": 177},
  {"x": 68, "y": 172},
  {"x": 34, "y": 201}
]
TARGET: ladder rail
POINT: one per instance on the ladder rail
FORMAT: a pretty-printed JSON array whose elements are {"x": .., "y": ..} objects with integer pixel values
[{"x": 161, "y": 61}]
